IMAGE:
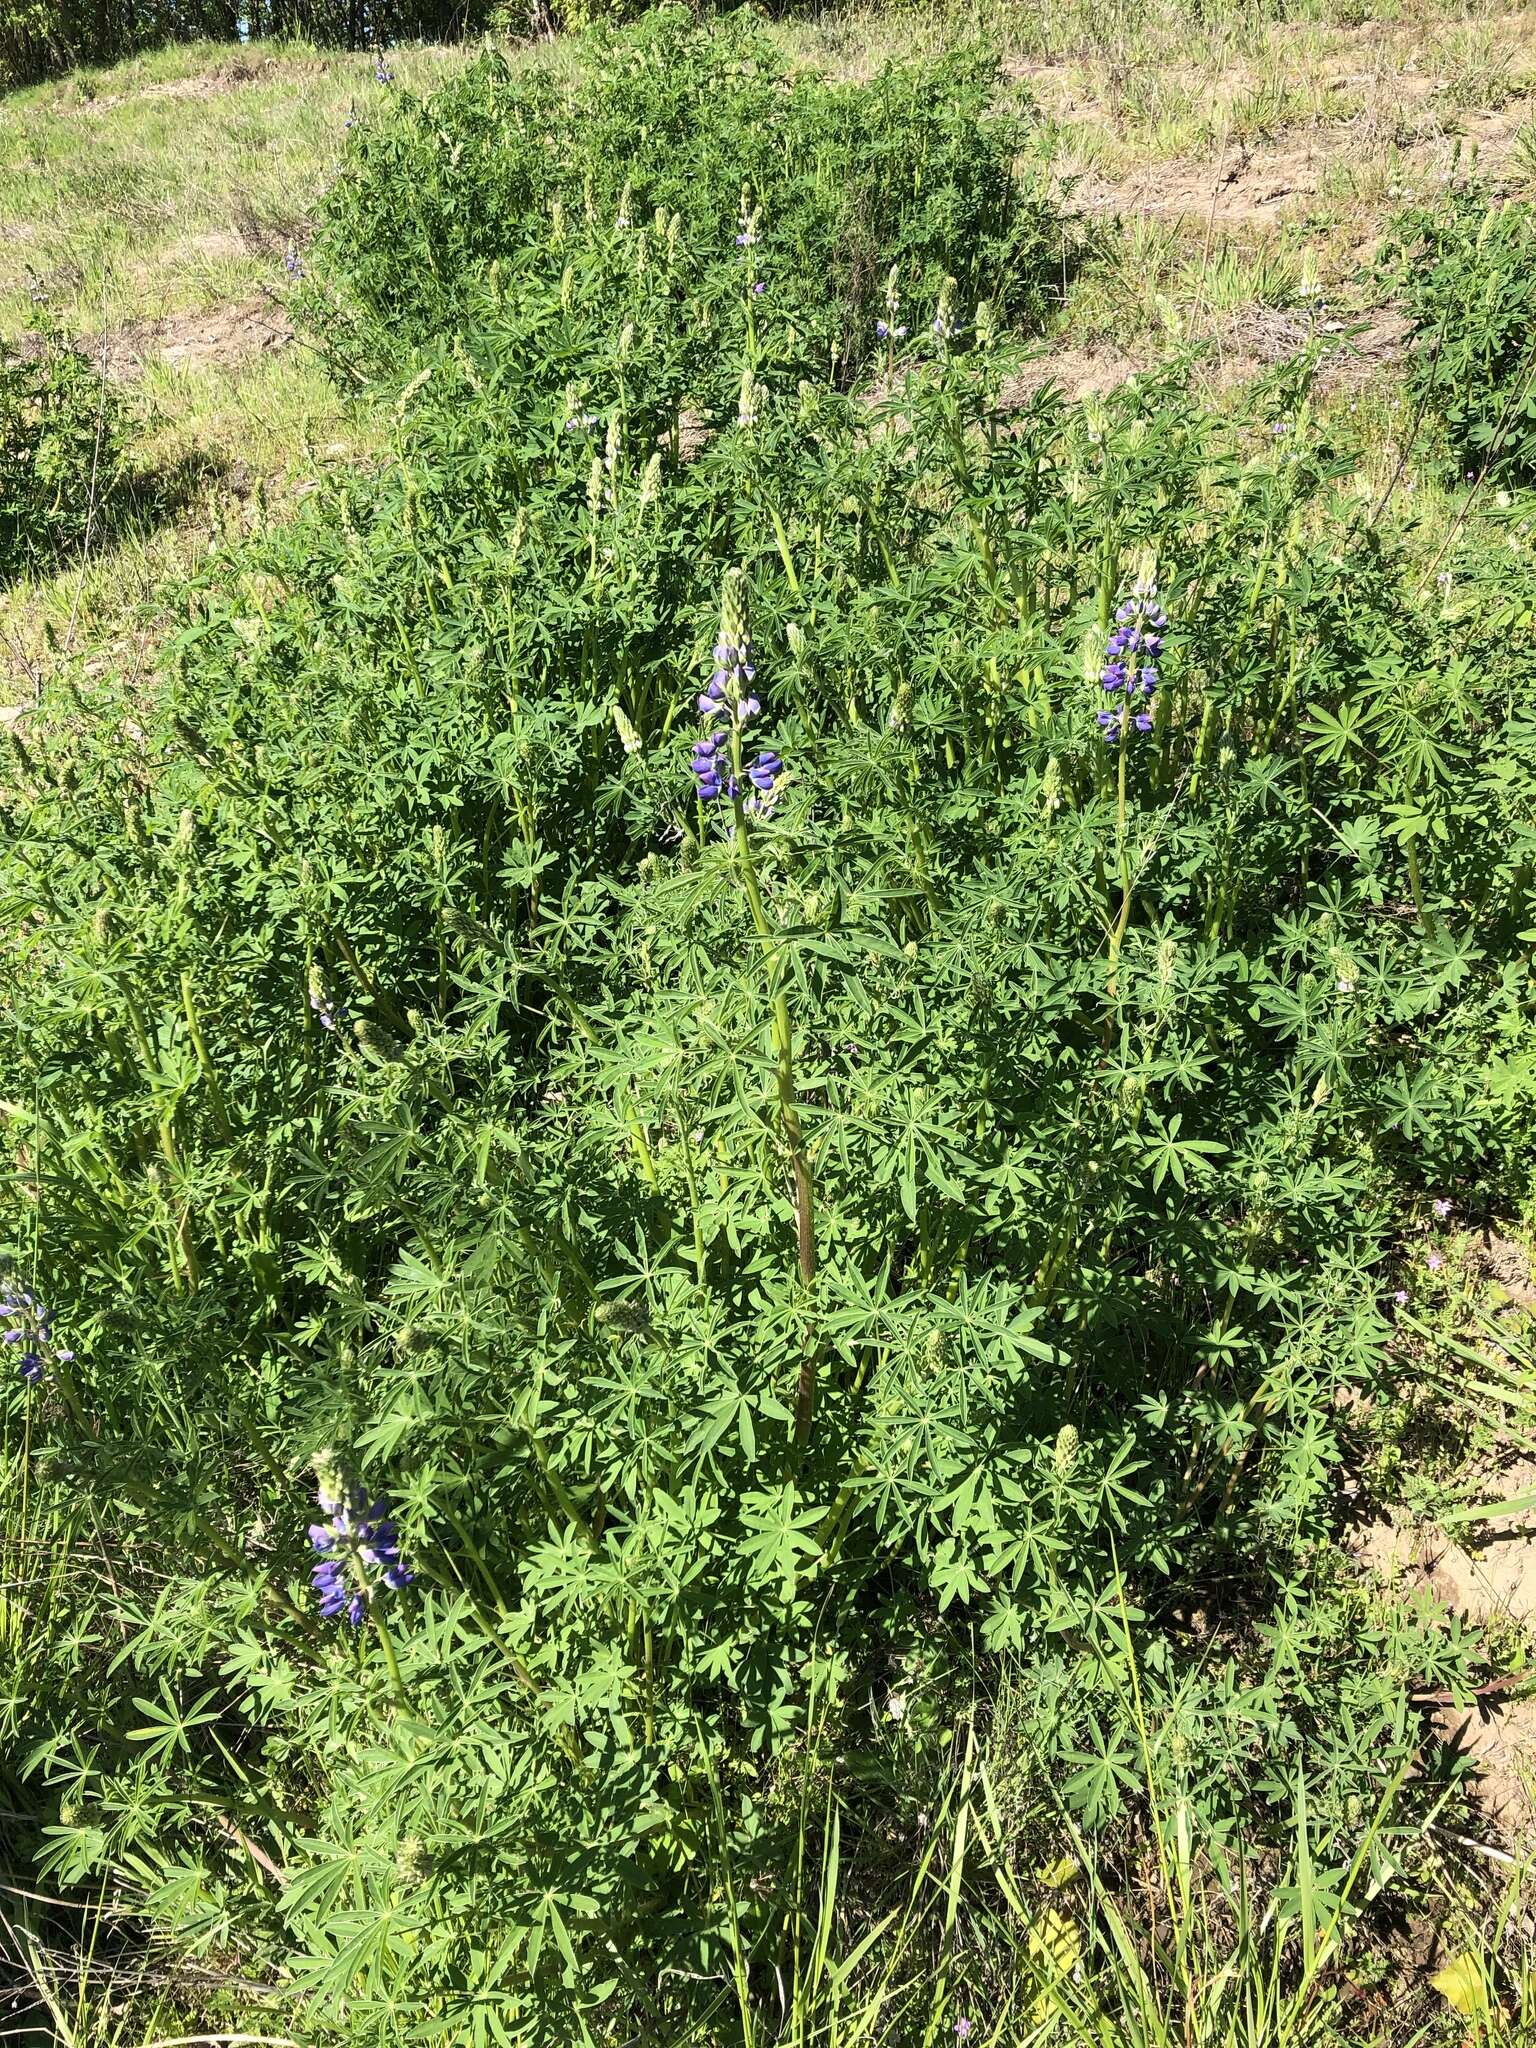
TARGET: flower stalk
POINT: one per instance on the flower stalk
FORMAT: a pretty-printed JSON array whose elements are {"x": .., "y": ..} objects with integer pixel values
[{"x": 722, "y": 772}]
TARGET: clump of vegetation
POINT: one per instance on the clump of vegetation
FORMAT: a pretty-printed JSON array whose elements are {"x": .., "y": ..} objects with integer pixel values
[
  {"x": 1466, "y": 270},
  {"x": 706, "y": 1112},
  {"x": 534, "y": 190},
  {"x": 62, "y": 452}
]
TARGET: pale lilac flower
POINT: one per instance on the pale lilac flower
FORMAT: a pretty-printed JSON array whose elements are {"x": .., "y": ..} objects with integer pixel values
[
  {"x": 329, "y": 1008},
  {"x": 1442, "y": 1207},
  {"x": 945, "y": 325}
]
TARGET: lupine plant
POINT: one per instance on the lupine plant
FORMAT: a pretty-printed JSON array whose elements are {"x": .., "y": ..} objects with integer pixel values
[
  {"x": 1464, "y": 268},
  {"x": 62, "y": 453},
  {"x": 440, "y": 199},
  {"x": 791, "y": 1230}
]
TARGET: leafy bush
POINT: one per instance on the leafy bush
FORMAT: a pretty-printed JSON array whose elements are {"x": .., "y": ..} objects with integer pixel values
[
  {"x": 61, "y": 453},
  {"x": 481, "y": 186},
  {"x": 780, "y": 1265},
  {"x": 1466, "y": 270},
  {"x": 739, "y": 1253}
]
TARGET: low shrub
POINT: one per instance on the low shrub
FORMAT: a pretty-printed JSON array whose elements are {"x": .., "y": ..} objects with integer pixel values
[
  {"x": 1466, "y": 271},
  {"x": 834, "y": 195},
  {"x": 769, "y": 1049},
  {"x": 757, "y": 1253},
  {"x": 62, "y": 447}
]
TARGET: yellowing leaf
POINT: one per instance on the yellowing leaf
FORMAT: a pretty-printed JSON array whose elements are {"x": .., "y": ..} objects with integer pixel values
[
  {"x": 1058, "y": 1874},
  {"x": 1054, "y": 1939},
  {"x": 1463, "y": 1986}
]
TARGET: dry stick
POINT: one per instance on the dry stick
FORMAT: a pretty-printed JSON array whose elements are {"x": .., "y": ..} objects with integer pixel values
[
  {"x": 1479, "y": 1692},
  {"x": 32, "y": 670},
  {"x": 1480, "y": 1848},
  {"x": 223, "y": 2041},
  {"x": 1412, "y": 436},
  {"x": 254, "y": 1850}
]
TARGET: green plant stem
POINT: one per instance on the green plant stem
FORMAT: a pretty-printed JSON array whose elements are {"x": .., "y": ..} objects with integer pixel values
[
  {"x": 386, "y": 1644},
  {"x": 700, "y": 1260},
  {"x": 1416, "y": 890},
  {"x": 784, "y": 1073},
  {"x": 1123, "y": 870},
  {"x": 199, "y": 1046}
]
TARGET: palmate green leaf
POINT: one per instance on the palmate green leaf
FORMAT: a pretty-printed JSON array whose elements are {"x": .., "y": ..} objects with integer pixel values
[
  {"x": 953, "y": 1577},
  {"x": 330, "y": 1876},
  {"x": 170, "y": 1724},
  {"x": 777, "y": 1535},
  {"x": 1340, "y": 736},
  {"x": 1169, "y": 1152},
  {"x": 1106, "y": 1774}
]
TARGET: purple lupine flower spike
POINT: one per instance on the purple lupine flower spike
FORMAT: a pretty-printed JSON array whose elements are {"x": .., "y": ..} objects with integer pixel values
[
  {"x": 891, "y": 327},
  {"x": 358, "y": 1546},
  {"x": 329, "y": 1008},
  {"x": 1130, "y": 670},
  {"x": 727, "y": 704},
  {"x": 945, "y": 326},
  {"x": 28, "y": 1328}
]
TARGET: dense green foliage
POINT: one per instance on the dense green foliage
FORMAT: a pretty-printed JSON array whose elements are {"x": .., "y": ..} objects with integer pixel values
[
  {"x": 782, "y": 1266},
  {"x": 519, "y": 186},
  {"x": 62, "y": 438},
  {"x": 1466, "y": 270}
]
